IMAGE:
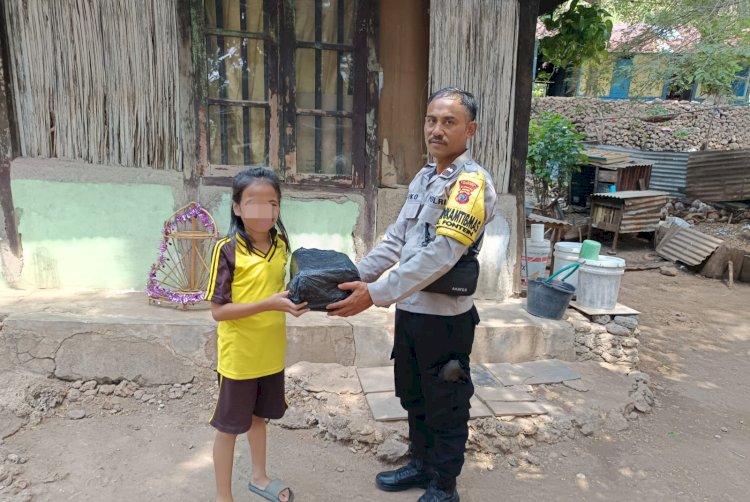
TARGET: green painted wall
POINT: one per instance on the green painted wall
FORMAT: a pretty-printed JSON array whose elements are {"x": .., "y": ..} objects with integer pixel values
[
  {"x": 106, "y": 235},
  {"x": 89, "y": 235},
  {"x": 322, "y": 224}
]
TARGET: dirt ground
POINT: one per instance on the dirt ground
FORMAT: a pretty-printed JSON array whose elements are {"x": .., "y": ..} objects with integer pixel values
[{"x": 694, "y": 446}]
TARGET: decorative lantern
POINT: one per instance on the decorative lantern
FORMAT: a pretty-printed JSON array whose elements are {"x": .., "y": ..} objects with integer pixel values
[{"x": 180, "y": 275}]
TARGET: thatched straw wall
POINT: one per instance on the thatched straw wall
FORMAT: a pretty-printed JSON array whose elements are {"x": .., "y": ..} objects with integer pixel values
[
  {"x": 473, "y": 46},
  {"x": 97, "y": 80}
]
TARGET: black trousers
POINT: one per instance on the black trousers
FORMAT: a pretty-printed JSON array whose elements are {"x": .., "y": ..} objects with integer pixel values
[{"x": 433, "y": 381}]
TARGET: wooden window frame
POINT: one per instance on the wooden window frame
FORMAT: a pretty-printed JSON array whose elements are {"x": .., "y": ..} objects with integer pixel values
[{"x": 282, "y": 113}]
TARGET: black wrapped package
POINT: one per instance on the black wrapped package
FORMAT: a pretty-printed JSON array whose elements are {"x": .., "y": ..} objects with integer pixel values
[{"x": 316, "y": 274}]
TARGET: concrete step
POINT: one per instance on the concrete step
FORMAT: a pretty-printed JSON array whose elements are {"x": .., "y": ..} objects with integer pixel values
[{"x": 110, "y": 337}]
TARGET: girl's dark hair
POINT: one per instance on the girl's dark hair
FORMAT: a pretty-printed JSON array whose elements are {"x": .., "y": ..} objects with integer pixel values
[{"x": 241, "y": 181}]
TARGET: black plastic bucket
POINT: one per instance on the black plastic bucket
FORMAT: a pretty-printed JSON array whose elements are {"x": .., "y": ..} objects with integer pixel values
[{"x": 548, "y": 299}]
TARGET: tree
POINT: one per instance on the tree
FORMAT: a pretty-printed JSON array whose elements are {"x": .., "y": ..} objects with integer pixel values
[
  {"x": 711, "y": 59},
  {"x": 580, "y": 32},
  {"x": 555, "y": 151},
  {"x": 713, "y": 66},
  {"x": 720, "y": 17}
]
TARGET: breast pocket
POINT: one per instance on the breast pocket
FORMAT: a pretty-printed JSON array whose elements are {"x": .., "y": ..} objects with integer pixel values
[
  {"x": 431, "y": 214},
  {"x": 411, "y": 210}
]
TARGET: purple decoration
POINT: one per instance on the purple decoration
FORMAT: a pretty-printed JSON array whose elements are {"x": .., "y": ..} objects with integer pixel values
[{"x": 154, "y": 287}]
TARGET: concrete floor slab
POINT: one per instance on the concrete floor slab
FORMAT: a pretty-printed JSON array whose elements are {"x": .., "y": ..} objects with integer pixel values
[
  {"x": 549, "y": 371},
  {"x": 326, "y": 377},
  {"x": 385, "y": 406},
  {"x": 481, "y": 377},
  {"x": 532, "y": 372},
  {"x": 376, "y": 379},
  {"x": 478, "y": 408},
  {"x": 507, "y": 333},
  {"x": 515, "y": 409},
  {"x": 318, "y": 338},
  {"x": 106, "y": 348},
  {"x": 502, "y": 394}
]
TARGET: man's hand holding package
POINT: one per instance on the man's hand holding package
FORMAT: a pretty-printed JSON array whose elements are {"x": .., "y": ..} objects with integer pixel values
[{"x": 355, "y": 303}]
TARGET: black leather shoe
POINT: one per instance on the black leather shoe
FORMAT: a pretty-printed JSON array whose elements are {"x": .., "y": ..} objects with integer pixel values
[
  {"x": 435, "y": 494},
  {"x": 412, "y": 475}
]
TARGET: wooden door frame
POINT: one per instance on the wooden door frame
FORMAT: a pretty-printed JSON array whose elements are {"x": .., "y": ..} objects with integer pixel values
[{"x": 8, "y": 143}]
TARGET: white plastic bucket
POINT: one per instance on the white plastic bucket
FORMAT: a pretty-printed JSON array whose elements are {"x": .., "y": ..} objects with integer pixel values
[
  {"x": 534, "y": 261},
  {"x": 599, "y": 282},
  {"x": 566, "y": 253},
  {"x": 537, "y": 232}
]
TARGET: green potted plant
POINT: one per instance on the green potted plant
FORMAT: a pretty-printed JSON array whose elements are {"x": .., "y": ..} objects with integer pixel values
[{"x": 555, "y": 152}]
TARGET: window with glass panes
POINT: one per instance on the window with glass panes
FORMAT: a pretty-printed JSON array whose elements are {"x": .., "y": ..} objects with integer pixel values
[
  {"x": 290, "y": 107},
  {"x": 239, "y": 59}
]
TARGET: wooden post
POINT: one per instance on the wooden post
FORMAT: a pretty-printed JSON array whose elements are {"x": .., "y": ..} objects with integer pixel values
[
  {"x": 717, "y": 263},
  {"x": 367, "y": 64},
  {"x": 528, "y": 11},
  {"x": 193, "y": 279},
  {"x": 197, "y": 95},
  {"x": 9, "y": 228},
  {"x": 186, "y": 10}
]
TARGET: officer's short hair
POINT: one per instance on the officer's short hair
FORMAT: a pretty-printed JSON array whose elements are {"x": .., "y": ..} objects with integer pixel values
[{"x": 467, "y": 99}]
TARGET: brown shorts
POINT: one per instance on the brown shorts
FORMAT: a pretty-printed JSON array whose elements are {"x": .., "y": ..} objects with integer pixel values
[{"x": 239, "y": 400}]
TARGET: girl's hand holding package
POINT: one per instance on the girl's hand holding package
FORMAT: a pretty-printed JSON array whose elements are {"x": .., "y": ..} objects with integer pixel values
[{"x": 279, "y": 301}]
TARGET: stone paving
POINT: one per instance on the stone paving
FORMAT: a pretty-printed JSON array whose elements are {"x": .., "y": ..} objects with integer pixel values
[{"x": 501, "y": 389}]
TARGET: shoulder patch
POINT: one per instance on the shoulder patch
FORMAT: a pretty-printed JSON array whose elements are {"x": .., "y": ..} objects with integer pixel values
[{"x": 463, "y": 215}]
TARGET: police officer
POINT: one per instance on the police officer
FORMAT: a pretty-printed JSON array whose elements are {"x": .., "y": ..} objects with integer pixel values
[{"x": 447, "y": 207}]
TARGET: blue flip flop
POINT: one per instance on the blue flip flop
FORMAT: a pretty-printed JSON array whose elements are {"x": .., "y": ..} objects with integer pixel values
[{"x": 272, "y": 491}]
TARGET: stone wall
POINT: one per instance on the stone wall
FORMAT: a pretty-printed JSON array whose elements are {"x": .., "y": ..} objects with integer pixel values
[
  {"x": 612, "y": 339},
  {"x": 686, "y": 126}
]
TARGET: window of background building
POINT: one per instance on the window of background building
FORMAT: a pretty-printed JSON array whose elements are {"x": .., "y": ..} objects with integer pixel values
[{"x": 288, "y": 107}]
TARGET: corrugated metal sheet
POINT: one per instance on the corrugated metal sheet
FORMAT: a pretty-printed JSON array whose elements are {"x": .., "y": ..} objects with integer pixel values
[
  {"x": 632, "y": 194},
  {"x": 629, "y": 179},
  {"x": 538, "y": 218},
  {"x": 688, "y": 246},
  {"x": 716, "y": 176},
  {"x": 669, "y": 171},
  {"x": 621, "y": 165}
]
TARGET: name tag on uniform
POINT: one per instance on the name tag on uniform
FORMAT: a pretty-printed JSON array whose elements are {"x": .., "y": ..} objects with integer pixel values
[{"x": 436, "y": 200}]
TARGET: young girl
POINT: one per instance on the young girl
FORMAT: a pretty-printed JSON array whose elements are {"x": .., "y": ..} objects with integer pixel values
[{"x": 245, "y": 290}]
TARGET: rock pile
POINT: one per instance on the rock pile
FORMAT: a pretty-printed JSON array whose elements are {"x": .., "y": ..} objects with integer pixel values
[
  {"x": 730, "y": 224},
  {"x": 80, "y": 393},
  {"x": 678, "y": 126},
  {"x": 606, "y": 338},
  {"x": 696, "y": 211},
  {"x": 328, "y": 397},
  {"x": 12, "y": 481}
]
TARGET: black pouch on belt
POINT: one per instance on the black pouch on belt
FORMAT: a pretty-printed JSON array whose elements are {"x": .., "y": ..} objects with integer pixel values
[{"x": 462, "y": 279}]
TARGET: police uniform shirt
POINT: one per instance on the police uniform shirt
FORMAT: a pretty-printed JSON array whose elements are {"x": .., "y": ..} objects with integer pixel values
[{"x": 442, "y": 216}]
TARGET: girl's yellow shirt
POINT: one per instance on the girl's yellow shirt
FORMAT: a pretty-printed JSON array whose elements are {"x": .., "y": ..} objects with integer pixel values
[{"x": 254, "y": 346}]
